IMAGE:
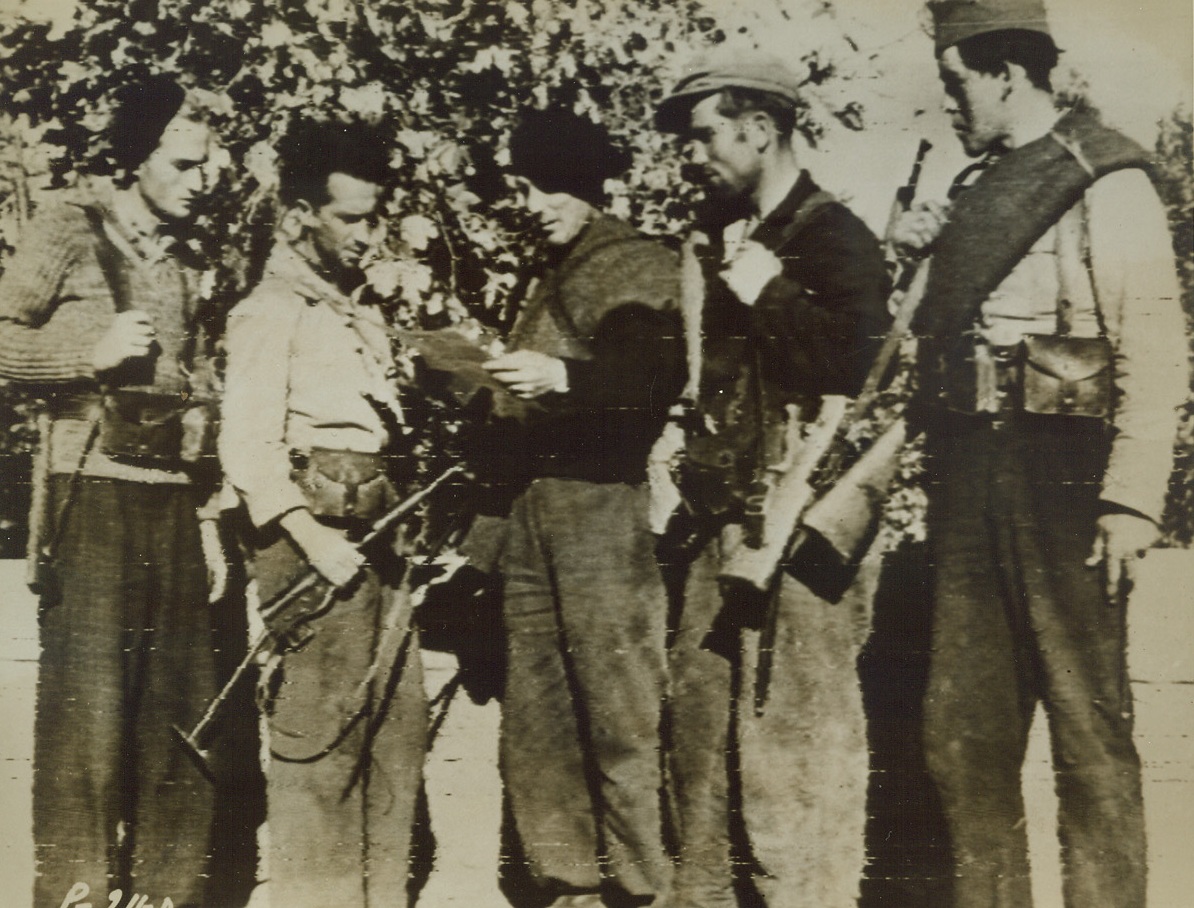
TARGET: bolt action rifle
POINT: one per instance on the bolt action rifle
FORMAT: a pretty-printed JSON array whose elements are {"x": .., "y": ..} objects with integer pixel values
[{"x": 821, "y": 538}]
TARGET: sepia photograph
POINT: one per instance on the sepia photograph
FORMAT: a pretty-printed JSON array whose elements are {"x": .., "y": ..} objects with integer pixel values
[{"x": 596, "y": 453}]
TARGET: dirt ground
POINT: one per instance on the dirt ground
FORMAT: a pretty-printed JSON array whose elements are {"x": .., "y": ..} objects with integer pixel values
[{"x": 464, "y": 789}]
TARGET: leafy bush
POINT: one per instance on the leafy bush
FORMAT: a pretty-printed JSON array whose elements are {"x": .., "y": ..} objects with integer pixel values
[
  {"x": 1175, "y": 182},
  {"x": 445, "y": 79}
]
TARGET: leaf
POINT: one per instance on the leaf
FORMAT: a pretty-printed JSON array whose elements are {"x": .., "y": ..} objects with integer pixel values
[
  {"x": 276, "y": 34},
  {"x": 417, "y": 230},
  {"x": 368, "y": 101}
]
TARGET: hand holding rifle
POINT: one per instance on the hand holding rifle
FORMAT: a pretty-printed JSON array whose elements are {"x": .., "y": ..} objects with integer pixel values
[
  {"x": 843, "y": 517},
  {"x": 277, "y": 613}
]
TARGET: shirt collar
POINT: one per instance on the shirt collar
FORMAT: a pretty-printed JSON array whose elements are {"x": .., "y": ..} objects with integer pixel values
[
  {"x": 135, "y": 224},
  {"x": 290, "y": 266}
]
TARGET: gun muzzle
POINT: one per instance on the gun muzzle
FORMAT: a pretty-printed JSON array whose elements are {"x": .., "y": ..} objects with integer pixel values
[{"x": 195, "y": 753}]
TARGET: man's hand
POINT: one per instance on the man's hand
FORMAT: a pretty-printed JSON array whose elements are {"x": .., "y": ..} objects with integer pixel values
[
  {"x": 529, "y": 374},
  {"x": 750, "y": 269},
  {"x": 131, "y": 335},
  {"x": 1120, "y": 541},
  {"x": 334, "y": 557},
  {"x": 914, "y": 231}
]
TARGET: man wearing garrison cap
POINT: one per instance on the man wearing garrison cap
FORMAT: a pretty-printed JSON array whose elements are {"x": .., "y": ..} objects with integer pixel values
[
  {"x": 788, "y": 303},
  {"x": 98, "y": 312},
  {"x": 1052, "y": 361},
  {"x": 594, "y": 360}
]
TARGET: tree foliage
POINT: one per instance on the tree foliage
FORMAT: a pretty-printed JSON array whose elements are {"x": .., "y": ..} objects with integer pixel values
[
  {"x": 444, "y": 78},
  {"x": 1174, "y": 175}
]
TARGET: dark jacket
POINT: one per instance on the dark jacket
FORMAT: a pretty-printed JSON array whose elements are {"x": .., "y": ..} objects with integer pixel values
[
  {"x": 608, "y": 308},
  {"x": 813, "y": 330}
]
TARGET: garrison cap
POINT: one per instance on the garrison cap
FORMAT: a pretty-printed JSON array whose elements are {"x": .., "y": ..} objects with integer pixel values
[
  {"x": 711, "y": 73},
  {"x": 957, "y": 20}
]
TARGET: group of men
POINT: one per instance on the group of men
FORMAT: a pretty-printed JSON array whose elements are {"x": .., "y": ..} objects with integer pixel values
[{"x": 670, "y": 736}]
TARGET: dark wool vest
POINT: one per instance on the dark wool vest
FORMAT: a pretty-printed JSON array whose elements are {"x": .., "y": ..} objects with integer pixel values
[{"x": 995, "y": 223}]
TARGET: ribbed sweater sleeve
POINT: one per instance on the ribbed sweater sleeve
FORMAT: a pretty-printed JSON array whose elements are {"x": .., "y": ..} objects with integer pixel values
[{"x": 54, "y": 301}]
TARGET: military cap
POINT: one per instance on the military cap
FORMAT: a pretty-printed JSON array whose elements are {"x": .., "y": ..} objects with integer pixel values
[
  {"x": 957, "y": 20},
  {"x": 711, "y": 73}
]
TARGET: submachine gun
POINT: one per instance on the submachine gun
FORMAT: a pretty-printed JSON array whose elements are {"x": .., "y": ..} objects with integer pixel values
[{"x": 284, "y": 618}]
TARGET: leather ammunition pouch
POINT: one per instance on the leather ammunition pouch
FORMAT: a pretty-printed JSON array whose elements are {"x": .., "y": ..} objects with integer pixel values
[
  {"x": 1045, "y": 374},
  {"x": 342, "y": 483},
  {"x": 1067, "y": 375},
  {"x": 142, "y": 428}
]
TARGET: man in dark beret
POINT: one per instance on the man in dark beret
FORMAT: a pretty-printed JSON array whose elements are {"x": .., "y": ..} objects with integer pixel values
[
  {"x": 1052, "y": 361},
  {"x": 785, "y": 323},
  {"x": 98, "y": 312},
  {"x": 596, "y": 358}
]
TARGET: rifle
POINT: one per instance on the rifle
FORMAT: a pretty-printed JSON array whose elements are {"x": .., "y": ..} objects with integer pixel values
[
  {"x": 904, "y": 198},
  {"x": 839, "y": 523},
  {"x": 788, "y": 495},
  {"x": 277, "y": 608},
  {"x": 906, "y": 194}
]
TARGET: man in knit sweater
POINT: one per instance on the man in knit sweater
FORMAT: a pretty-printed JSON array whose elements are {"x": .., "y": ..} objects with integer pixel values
[
  {"x": 596, "y": 358},
  {"x": 98, "y": 309},
  {"x": 1052, "y": 363}
]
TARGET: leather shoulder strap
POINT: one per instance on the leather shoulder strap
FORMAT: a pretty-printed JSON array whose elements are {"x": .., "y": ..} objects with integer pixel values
[{"x": 804, "y": 213}]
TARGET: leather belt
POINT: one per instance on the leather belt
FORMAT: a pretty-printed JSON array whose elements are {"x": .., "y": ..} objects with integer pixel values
[{"x": 84, "y": 406}]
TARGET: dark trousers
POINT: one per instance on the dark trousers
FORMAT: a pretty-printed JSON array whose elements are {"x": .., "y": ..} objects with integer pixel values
[
  {"x": 585, "y": 611},
  {"x": 1019, "y": 619},
  {"x": 346, "y": 767},
  {"x": 792, "y": 780},
  {"x": 126, "y": 653}
]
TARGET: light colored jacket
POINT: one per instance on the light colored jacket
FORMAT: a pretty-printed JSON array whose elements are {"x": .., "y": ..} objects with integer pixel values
[
  {"x": 1137, "y": 292},
  {"x": 307, "y": 368}
]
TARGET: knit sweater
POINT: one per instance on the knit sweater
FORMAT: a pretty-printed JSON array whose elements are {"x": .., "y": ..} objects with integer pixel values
[
  {"x": 607, "y": 308},
  {"x": 56, "y": 304}
]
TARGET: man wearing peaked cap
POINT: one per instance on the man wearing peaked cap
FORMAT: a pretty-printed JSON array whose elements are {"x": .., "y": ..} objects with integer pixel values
[
  {"x": 790, "y": 298},
  {"x": 1052, "y": 361},
  {"x": 709, "y": 74}
]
